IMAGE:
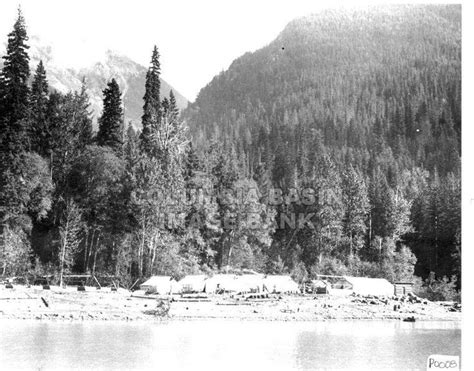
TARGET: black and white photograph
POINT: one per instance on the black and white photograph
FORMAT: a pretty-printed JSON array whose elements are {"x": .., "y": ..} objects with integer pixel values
[{"x": 235, "y": 185}]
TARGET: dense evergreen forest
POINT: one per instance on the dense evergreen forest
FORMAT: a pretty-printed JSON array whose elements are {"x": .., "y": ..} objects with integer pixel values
[
  {"x": 364, "y": 106},
  {"x": 333, "y": 150}
]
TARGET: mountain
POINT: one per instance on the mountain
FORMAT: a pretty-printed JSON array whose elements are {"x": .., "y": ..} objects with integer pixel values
[
  {"x": 131, "y": 79},
  {"x": 129, "y": 75},
  {"x": 337, "y": 72}
]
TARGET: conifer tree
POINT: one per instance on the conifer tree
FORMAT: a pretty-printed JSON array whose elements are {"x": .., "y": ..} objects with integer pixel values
[
  {"x": 329, "y": 209},
  {"x": 84, "y": 124},
  {"x": 192, "y": 163},
  {"x": 173, "y": 109},
  {"x": 40, "y": 135},
  {"x": 380, "y": 202},
  {"x": 131, "y": 147},
  {"x": 152, "y": 106},
  {"x": 111, "y": 123},
  {"x": 14, "y": 105},
  {"x": 14, "y": 94},
  {"x": 356, "y": 202},
  {"x": 165, "y": 105}
]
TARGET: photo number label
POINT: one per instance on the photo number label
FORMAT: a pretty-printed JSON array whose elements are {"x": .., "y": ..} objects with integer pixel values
[{"x": 442, "y": 362}]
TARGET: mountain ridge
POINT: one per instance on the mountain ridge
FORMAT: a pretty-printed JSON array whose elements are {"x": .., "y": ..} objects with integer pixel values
[
  {"x": 129, "y": 74},
  {"x": 354, "y": 43}
]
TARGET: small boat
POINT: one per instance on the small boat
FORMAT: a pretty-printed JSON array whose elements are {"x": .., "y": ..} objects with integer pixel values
[{"x": 409, "y": 319}]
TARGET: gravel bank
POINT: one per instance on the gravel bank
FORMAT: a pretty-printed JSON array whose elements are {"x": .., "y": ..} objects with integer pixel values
[{"x": 105, "y": 305}]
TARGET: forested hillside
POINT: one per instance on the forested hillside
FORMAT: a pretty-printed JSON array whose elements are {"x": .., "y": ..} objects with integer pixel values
[{"x": 363, "y": 104}]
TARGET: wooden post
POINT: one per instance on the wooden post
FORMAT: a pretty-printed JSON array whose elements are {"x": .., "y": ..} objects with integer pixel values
[
  {"x": 63, "y": 254},
  {"x": 95, "y": 254},
  {"x": 97, "y": 281},
  {"x": 134, "y": 284}
]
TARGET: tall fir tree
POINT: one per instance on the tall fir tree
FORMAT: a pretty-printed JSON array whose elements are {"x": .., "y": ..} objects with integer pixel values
[
  {"x": 15, "y": 95},
  {"x": 356, "y": 202},
  {"x": 380, "y": 204},
  {"x": 192, "y": 164},
  {"x": 131, "y": 147},
  {"x": 173, "y": 109},
  {"x": 84, "y": 124},
  {"x": 165, "y": 106},
  {"x": 40, "y": 135},
  {"x": 14, "y": 114},
  {"x": 152, "y": 106},
  {"x": 111, "y": 122}
]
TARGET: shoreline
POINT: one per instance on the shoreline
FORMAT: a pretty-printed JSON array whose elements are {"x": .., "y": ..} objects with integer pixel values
[
  {"x": 166, "y": 320},
  {"x": 69, "y": 305}
]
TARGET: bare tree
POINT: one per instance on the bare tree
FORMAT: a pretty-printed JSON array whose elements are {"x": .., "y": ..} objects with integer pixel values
[{"x": 70, "y": 236}]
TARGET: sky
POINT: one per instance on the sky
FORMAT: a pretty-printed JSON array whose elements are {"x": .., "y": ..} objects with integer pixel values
[{"x": 196, "y": 39}]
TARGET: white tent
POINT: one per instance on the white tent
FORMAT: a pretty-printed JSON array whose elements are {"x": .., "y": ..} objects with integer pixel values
[
  {"x": 218, "y": 282},
  {"x": 192, "y": 283},
  {"x": 370, "y": 286},
  {"x": 160, "y": 285},
  {"x": 250, "y": 283},
  {"x": 280, "y": 284}
]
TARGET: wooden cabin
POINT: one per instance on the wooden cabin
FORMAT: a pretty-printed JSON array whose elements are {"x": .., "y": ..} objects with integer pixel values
[{"x": 402, "y": 288}]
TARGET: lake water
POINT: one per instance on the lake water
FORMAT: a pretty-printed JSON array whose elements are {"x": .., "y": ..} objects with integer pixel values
[{"x": 225, "y": 345}]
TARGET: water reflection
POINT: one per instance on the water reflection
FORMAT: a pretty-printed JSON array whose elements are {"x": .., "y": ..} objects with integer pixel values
[
  {"x": 225, "y": 345},
  {"x": 375, "y": 345}
]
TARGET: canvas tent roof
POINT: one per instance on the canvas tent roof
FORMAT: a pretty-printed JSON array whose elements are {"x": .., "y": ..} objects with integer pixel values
[
  {"x": 370, "y": 286},
  {"x": 192, "y": 283},
  {"x": 280, "y": 283},
  {"x": 226, "y": 282},
  {"x": 250, "y": 283},
  {"x": 160, "y": 285},
  {"x": 234, "y": 283}
]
